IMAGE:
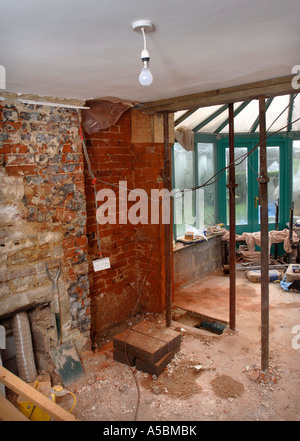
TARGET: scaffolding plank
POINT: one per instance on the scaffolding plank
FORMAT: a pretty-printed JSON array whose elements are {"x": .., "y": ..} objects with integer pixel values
[
  {"x": 8, "y": 412},
  {"x": 21, "y": 388}
]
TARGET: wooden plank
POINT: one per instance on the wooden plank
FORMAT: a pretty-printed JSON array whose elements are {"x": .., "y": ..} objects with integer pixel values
[
  {"x": 158, "y": 129},
  {"x": 140, "y": 346},
  {"x": 149, "y": 128},
  {"x": 25, "y": 390},
  {"x": 8, "y": 412},
  {"x": 141, "y": 128},
  {"x": 268, "y": 88}
]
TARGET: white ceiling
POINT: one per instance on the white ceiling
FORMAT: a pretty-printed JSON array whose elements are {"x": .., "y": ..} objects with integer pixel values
[{"x": 86, "y": 48}]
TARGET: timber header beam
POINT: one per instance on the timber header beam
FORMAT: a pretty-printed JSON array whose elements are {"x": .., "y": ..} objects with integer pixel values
[{"x": 267, "y": 88}]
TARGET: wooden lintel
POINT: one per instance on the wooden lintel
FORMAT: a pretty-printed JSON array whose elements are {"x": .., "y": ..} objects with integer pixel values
[{"x": 268, "y": 88}]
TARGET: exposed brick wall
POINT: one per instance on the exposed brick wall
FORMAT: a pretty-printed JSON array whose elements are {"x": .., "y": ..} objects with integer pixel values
[
  {"x": 43, "y": 213},
  {"x": 114, "y": 292}
]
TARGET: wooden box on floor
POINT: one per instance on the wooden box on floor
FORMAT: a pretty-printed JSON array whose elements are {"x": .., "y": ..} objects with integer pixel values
[{"x": 146, "y": 346}]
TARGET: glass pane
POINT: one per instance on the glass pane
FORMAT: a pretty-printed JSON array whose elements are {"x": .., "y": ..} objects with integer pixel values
[
  {"x": 241, "y": 191},
  {"x": 184, "y": 178},
  {"x": 296, "y": 178},
  {"x": 273, "y": 186},
  {"x": 206, "y": 212}
]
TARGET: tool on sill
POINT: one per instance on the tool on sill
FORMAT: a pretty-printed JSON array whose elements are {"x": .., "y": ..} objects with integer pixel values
[
  {"x": 55, "y": 299},
  {"x": 64, "y": 356}
]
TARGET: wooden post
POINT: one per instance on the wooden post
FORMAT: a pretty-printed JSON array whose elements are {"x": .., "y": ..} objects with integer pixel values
[
  {"x": 232, "y": 230},
  {"x": 264, "y": 234}
]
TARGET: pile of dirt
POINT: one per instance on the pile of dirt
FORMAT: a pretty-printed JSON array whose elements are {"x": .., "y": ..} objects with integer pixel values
[
  {"x": 179, "y": 380},
  {"x": 226, "y": 387}
]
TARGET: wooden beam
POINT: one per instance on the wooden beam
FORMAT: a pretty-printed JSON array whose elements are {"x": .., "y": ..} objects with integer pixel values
[
  {"x": 8, "y": 412},
  {"x": 267, "y": 88},
  {"x": 25, "y": 390}
]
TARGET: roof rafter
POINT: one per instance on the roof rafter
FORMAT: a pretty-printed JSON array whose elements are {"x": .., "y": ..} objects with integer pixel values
[
  {"x": 290, "y": 113},
  {"x": 210, "y": 118},
  {"x": 256, "y": 122},
  {"x": 236, "y": 112},
  {"x": 184, "y": 116}
]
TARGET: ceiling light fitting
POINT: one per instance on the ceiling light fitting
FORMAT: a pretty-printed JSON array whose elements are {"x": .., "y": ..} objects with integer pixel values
[{"x": 144, "y": 26}]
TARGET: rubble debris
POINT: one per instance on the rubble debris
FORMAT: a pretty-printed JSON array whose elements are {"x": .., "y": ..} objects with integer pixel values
[{"x": 259, "y": 376}]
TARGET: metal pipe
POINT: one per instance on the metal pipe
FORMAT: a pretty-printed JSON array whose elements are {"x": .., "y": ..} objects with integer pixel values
[
  {"x": 168, "y": 225},
  {"x": 23, "y": 346},
  {"x": 264, "y": 230},
  {"x": 232, "y": 230},
  {"x": 291, "y": 231},
  {"x": 276, "y": 227}
]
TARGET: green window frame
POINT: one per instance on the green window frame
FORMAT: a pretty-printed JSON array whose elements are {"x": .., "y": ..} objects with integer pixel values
[{"x": 283, "y": 140}]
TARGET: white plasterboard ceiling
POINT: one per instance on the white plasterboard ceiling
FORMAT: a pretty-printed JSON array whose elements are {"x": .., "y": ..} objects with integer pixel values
[{"x": 86, "y": 48}]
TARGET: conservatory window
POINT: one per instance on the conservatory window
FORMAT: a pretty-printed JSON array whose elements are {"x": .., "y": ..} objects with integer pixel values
[
  {"x": 193, "y": 169},
  {"x": 296, "y": 178}
]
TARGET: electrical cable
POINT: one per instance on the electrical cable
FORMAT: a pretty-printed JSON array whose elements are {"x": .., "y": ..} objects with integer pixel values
[
  {"x": 143, "y": 281},
  {"x": 235, "y": 163},
  {"x": 252, "y": 168},
  {"x": 144, "y": 37},
  {"x": 208, "y": 182},
  {"x": 95, "y": 189},
  {"x": 131, "y": 319},
  {"x": 289, "y": 104}
]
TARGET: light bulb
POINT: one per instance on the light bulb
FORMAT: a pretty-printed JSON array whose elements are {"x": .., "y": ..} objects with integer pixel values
[
  {"x": 145, "y": 77},
  {"x": 144, "y": 26}
]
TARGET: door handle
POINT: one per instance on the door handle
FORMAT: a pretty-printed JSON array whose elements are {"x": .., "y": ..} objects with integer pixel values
[{"x": 256, "y": 201}]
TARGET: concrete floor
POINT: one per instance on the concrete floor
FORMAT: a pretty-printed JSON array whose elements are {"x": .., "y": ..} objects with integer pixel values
[
  {"x": 210, "y": 296},
  {"x": 229, "y": 385}
]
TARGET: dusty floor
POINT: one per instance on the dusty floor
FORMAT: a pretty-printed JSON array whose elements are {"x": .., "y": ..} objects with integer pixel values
[{"x": 226, "y": 386}]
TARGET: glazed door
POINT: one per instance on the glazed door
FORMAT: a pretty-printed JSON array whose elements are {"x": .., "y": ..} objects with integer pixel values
[{"x": 247, "y": 191}]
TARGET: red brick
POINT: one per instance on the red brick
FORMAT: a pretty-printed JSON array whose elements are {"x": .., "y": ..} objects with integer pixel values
[
  {"x": 115, "y": 158},
  {"x": 15, "y": 170}
]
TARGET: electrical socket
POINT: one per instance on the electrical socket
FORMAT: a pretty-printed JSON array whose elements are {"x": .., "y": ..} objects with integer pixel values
[{"x": 101, "y": 264}]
